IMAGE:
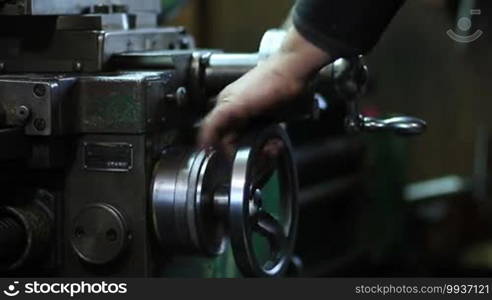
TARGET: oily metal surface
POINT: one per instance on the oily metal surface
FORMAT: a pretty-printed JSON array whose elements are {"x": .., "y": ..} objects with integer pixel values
[{"x": 182, "y": 202}]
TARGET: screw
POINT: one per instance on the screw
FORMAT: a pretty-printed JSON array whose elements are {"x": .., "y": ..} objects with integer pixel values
[
  {"x": 77, "y": 66},
  {"x": 184, "y": 43},
  {"x": 39, "y": 90},
  {"x": 39, "y": 124},
  {"x": 2, "y": 66},
  {"x": 180, "y": 96},
  {"x": 22, "y": 113}
]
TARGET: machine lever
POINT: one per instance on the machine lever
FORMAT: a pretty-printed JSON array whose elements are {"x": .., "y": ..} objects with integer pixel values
[
  {"x": 402, "y": 125},
  {"x": 350, "y": 78}
]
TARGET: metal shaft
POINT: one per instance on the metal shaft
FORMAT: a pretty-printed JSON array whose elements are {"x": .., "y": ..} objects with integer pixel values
[{"x": 222, "y": 69}]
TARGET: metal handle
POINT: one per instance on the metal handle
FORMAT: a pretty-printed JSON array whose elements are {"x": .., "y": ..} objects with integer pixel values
[
  {"x": 401, "y": 125},
  {"x": 349, "y": 77}
]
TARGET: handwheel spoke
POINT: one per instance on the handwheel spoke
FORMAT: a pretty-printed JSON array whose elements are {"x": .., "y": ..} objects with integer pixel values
[
  {"x": 267, "y": 162},
  {"x": 264, "y": 172},
  {"x": 267, "y": 226}
]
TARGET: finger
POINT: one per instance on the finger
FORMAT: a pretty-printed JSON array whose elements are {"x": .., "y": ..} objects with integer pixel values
[
  {"x": 228, "y": 144},
  {"x": 212, "y": 127},
  {"x": 225, "y": 118}
]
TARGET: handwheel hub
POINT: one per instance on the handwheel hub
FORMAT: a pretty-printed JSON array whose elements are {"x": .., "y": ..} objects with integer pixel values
[{"x": 255, "y": 203}]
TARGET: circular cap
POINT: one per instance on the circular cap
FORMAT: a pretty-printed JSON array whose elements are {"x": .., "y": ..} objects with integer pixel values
[{"x": 99, "y": 234}]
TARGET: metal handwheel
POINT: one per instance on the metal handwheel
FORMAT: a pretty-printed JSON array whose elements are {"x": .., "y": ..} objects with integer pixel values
[
  {"x": 262, "y": 158},
  {"x": 200, "y": 199}
]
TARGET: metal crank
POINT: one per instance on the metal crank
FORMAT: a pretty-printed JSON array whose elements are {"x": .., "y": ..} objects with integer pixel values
[{"x": 349, "y": 78}]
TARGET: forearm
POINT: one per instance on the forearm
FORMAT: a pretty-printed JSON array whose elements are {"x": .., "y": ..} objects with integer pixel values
[{"x": 344, "y": 28}]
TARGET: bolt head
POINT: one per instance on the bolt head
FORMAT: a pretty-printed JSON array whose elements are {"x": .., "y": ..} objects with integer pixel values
[
  {"x": 78, "y": 66},
  {"x": 22, "y": 112},
  {"x": 39, "y": 90},
  {"x": 39, "y": 124},
  {"x": 184, "y": 43},
  {"x": 182, "y": 96}
]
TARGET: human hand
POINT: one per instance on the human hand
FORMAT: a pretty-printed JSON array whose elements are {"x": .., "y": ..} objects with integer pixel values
[{"x": 268, "y": 87}]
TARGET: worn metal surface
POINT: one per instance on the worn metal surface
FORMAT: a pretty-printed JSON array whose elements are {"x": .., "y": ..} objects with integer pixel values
[
  {"x": 81, "y": 50},
  {"x": 125, "y": 191},
  {"x": 110, "y": 103},
  {"x": 42, "y": 97},
  {"x": 66, "y": 7},
  {"x": 122, "y": 103}
]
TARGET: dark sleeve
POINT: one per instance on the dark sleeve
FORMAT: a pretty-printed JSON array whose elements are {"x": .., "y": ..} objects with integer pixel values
[{"x": 344, "y": 27}]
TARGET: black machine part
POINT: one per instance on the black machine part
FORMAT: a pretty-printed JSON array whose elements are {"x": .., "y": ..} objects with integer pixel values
[
  {"x": 26, "y": 233},
  {"x": 12, "y": 238}
]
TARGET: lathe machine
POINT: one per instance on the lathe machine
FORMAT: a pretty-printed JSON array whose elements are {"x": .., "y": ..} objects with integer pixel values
[{"x": 100, "y": 175}]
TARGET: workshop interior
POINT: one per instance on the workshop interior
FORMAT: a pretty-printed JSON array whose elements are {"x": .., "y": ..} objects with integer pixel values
[{"x": 379, "y": 169}]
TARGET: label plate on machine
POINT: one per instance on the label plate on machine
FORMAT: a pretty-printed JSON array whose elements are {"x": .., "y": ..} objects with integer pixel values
[{"x": 108, "y": 157}]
